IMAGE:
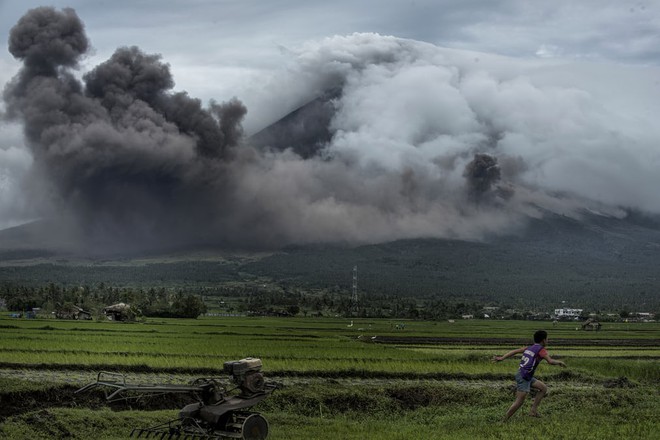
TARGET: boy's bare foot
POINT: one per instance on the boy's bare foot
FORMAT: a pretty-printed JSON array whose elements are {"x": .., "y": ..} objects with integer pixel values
[{"x": 535, "y": 415}]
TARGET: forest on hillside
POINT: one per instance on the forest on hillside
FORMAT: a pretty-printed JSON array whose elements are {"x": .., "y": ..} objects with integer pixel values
[{"x": 520, "y": 275}]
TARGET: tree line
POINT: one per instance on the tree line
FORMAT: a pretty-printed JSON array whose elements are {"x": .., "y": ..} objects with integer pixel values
[{"x": 151, "y": 302}]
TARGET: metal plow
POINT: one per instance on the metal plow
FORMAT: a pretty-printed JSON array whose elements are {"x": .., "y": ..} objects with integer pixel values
[
  {"x": 241, "y": 425},
  {"x": 218, "y": 413},
  {"x": 116, "y": 388}
]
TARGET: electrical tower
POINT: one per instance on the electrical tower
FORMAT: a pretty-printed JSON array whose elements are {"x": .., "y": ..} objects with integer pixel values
[{"x": 354, "y": 296}]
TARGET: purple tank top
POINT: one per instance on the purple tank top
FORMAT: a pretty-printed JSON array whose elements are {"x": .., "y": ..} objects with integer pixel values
[{"x": 530, "y": 360}]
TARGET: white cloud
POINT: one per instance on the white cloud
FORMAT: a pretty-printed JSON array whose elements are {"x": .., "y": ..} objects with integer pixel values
[
  {"x": 410, "y": 103},
  {"x": 548, "y": 51},
  {"x": 14, "y": 206}
]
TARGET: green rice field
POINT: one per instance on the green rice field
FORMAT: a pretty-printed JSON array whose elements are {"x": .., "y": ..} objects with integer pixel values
[{"x": 340, "y": 379}]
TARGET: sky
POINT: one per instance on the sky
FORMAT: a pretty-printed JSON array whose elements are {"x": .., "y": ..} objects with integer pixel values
[{"x": 561, "y": 96}]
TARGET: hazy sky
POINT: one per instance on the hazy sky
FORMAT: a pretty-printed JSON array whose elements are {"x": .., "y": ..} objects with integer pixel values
[
  {"x": 565, "y": 94},
  {"x": 213, "y": 45}
]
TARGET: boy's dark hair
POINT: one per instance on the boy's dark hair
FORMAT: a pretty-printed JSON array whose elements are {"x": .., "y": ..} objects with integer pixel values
[{"x": 540, "y": 335}]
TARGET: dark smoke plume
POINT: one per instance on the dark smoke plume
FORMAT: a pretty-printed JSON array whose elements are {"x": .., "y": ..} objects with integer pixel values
[
  {"x": 46, "y": 38},
  {"x": 132, "y": 159},
  {"x": 482, "y": 173}
]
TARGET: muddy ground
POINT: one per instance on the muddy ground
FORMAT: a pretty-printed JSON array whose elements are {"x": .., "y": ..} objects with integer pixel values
[{"x": 65, "y": 396}]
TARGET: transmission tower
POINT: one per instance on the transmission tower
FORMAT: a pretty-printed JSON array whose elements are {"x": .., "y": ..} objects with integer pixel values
[{"x": 354, "y": 296}]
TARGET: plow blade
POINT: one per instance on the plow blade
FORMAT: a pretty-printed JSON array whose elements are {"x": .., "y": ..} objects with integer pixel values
[
  {"x": 148, "y": 433},
  {"x": 175, "y": 430},
  {"x": 240, "y": 425}
]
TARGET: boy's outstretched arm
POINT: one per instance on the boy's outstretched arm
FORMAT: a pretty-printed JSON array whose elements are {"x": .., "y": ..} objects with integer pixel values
[
  {"x": 552, "y": 361},
  {"x": 509, "y": 354}
]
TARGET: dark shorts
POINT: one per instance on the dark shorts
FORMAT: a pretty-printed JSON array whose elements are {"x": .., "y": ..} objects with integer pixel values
[{"x": 523, "y": 385}]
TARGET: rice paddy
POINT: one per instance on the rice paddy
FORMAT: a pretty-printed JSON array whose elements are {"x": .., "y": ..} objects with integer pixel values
[{"x": 343, "y": 378}]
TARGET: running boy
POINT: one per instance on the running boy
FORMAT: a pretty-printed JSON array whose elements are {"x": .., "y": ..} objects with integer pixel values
[{"x": 531, "y": 358}]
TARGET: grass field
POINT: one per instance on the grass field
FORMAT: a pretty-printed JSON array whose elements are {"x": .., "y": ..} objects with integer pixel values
[{"x": 372, "y": 379}]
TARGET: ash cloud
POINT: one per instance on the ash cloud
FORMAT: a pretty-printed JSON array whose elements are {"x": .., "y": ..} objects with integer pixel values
[
  {"x": 482, "y": 173},
  {"x": 130, "y": 159},
  {"x": 414, "y": 141},
  {"x": 46, "y": 38}
]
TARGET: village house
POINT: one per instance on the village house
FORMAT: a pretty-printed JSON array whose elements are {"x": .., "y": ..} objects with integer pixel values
[{"x": 567, "y": 314}]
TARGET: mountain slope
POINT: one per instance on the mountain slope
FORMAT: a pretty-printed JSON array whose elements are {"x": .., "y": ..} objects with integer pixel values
[{"x": 596, "y": 262}]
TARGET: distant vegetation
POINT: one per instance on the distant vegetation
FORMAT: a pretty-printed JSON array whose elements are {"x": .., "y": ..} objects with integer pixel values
[
  {"x": 53, "y": 297},
  {"x": 598, "y": 264}
]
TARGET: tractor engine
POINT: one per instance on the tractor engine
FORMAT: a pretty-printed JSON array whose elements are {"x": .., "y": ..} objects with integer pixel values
[{"x": 246, "y": 373}]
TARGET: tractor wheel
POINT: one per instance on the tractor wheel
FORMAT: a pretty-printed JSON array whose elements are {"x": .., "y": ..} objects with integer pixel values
[
  {"x": 255, "y": 427},
  {"x": 246, "y": 425}
]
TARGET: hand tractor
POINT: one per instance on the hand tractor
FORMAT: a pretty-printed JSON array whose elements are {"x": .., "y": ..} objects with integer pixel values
[{"x": 219, "y": 413}]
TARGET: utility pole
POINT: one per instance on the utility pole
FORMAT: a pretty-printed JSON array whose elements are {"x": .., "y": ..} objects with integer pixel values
[{"x": 354, "y": 296}]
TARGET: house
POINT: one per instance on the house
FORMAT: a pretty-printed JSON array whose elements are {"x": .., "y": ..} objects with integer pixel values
[
  {"x": 591, "y": 324},
  {"x": 72, "y": 312},
  {"x": 566, "y": 314},
  {"x": 119, "y": 312}
]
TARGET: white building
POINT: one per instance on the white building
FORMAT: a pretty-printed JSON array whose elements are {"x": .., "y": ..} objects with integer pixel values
[{"x": 567, "y": 313}]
